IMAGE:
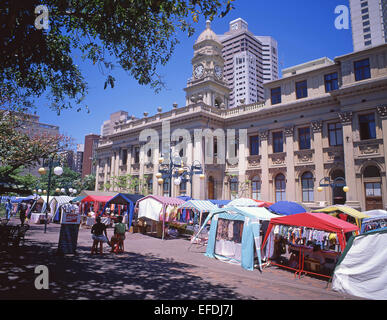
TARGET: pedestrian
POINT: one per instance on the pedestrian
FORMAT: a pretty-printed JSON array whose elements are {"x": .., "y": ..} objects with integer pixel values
[
  {"x": 23, "y": 212},
  {"x": 99, "y": 236},
  {"x": 8, "y": 209},
  {"x": 117, "y": 241}
]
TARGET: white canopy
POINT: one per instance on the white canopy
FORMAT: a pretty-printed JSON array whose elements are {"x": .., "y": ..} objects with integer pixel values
[
  {"x": 375, "y": 213},
  {"x": 259, "y": 212},
  {"x": 242, "y": 202}
]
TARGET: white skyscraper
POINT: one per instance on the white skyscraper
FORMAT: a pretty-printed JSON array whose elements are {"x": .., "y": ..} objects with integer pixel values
[
  {"x": 369, "y": 23},
  {"x": 250, "y": 61}
]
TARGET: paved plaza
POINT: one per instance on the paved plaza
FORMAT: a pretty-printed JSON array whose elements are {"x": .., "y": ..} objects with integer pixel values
[{"x": 150, "y": 269}]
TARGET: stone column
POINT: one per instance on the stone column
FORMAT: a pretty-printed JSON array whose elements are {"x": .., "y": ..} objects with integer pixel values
[
  {"x": 156, "y": 156},
  {"x": 317, "y": 127},
  {"x": 105, "y": 177},
  {"x": 197, "y": 183},
  {"x": 264, "y": 151},
  {"x": 290, "y": 173},
  {"x": 349, "y": 161},
  {"x": 382, "y": 112},
  {"x": 97, "y": 177},
  {"x": 242, "y": 156},
  {"x": 141, "y": 169},
  {"x": 189, "y": 156}
]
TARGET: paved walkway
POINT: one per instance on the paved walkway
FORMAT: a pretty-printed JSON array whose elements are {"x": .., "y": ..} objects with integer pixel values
[{"x": 150, "y": 268}]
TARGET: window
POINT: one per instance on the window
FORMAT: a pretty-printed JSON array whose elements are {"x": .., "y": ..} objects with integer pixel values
[
  {"x": 124, "y": 156},
  {"x": 256, "y": 188},
  {"x": 307, "y": 185},
  {"x": 367, "y": 126},
  {"x": 183, "y": 188},
  {"x": 301, "y": 89},
  {"x": 234, "y": 188},
  {"x": 373, "y": 189},
  {"x": 166, "y": 187},
  {"x": 254, "y": 145},
  {"x": 304, "y": 138},
  {"x": 280, "y": 187},
  {"x": 368, "y": 43},
  {"x": 362, "y": 69},
  {"x": 150, "y": 185},
  {"x": 335, "y": 134},
  {"x": 278, "y": 142},
  {"x": 276, "y": 95},
  {"x": 331, "y": 82},
  {"x": 136, "y": 154}
]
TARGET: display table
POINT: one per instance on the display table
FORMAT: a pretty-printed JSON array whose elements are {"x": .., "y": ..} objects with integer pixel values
[{"x": 39, "y": 217}]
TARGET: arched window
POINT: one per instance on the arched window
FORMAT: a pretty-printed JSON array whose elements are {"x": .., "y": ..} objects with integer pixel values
[
  {"x": 280, "y": 187},
  {"x": 307, "y": 185},
  {"x": 373, "y": 188},
  {"x": 234, "y": 188},
  {"x": 256, "y": 188},
  {"x": 339, "y": 196}
]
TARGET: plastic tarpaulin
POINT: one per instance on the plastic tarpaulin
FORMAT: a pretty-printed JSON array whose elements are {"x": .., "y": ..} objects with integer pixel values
[
  {"x": 361, "y": 270},
  {"x": 286, "y": 208},
  {"x": 379, "y": 221}
]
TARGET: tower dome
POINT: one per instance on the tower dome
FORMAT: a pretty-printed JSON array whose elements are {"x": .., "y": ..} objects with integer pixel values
[{"x": 207, "y": 34}]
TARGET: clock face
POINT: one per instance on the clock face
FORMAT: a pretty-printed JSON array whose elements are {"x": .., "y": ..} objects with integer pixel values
[
  {"x": 198, "y": 71},
  {"x": 218, "y": 71}
]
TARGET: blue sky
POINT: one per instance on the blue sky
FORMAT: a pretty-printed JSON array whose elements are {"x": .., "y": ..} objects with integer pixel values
[{"x": 304, "y": 30}]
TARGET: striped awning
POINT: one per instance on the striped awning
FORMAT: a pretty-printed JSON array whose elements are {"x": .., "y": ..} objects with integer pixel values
[
  {"x": 344, "y": 209},
  {"x": 61, "y": 199},
  {"x": 199, "y": 205},
  {"x": 164, "y": 200}
]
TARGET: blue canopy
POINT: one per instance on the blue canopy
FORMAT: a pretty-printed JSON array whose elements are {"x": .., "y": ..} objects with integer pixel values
[
  {"x": 287, "y": 208},
  {"x": 21, "y": 199},
  {"x": 185, "y": 198},
  {"x": 128, "y": 199},
  {"x": 220, "y": 203}
]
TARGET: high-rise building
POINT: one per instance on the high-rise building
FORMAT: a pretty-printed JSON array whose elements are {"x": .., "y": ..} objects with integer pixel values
[
  {"x": 250, "y": 61},
  {"x": 115, "y": 118},
  {"x": 79, "y": 157},
  {"x": 369, "y": 23},
  {"x": 91, "y": 143}
]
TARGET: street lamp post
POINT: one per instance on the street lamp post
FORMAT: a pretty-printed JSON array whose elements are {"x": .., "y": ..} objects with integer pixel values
[
  {"x": 337, "y": 182},
  {"x": 57, "y": 171},
  {"x": 178, "y": 171}
]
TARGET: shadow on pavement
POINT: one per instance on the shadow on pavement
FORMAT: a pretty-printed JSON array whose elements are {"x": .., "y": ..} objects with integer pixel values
[{"x": 108, "y": 276}]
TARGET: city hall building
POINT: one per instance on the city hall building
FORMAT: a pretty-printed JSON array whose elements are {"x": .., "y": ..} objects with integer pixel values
[{"x": 321, "y": 127}]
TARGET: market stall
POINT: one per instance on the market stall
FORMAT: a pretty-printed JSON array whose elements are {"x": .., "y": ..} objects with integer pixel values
[
  {"x": 345, "y": 213},
  {"x": 234, "y": 236},
  {"x": 38, "y": 209},
  {"x": 312, "y": 242},
  {"x": 128, "y": 201},
  {"x": 95, "y": 204},
  {"x": 159, "y": 209},
  {"x": 286, "y": 208},
  {"x": 196, "y": 211},
  {"x": 361, "y": 270},
  {"x": 55, "y": 203}
]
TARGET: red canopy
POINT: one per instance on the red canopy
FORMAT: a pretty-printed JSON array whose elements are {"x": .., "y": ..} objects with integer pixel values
[
  {"x": 265, "y": 204},
  {"x": 315, "y": 220},
  {"x": 103, "y": 199}
]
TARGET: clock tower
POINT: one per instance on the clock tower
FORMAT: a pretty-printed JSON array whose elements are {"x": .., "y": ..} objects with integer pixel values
[{"x": 207, "y": 83}]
